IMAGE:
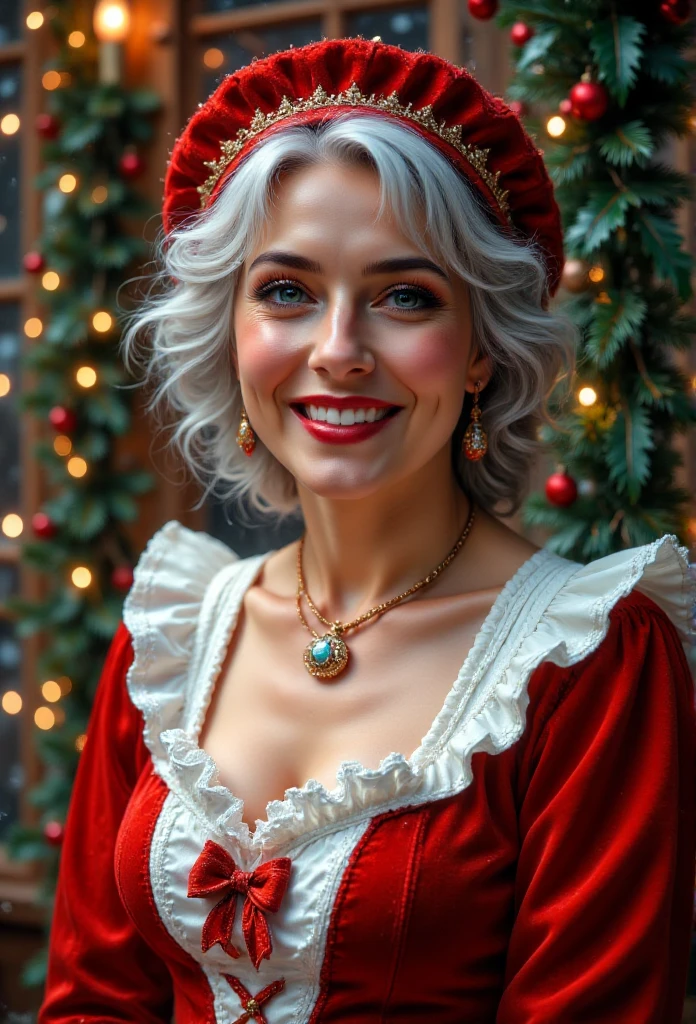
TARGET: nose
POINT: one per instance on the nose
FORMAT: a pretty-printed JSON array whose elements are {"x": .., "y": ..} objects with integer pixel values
[{"x": 340, "y": 346}]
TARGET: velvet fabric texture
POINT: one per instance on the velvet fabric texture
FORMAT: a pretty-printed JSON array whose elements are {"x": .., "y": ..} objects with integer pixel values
[
  {"x": 421, "y": 79},
  {"x": 556, "y": 887}
]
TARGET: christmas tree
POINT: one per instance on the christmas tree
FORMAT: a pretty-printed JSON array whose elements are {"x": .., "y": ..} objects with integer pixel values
[
  {"x": 604, "y": 87},
  {"x": 93, "y": 216}
]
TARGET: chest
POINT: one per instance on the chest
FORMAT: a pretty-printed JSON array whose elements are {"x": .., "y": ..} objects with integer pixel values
[{"x": 271, "y": 726}]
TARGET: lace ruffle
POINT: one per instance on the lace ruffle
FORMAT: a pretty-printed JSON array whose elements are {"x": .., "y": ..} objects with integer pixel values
[{"x": 551, "y": 610}]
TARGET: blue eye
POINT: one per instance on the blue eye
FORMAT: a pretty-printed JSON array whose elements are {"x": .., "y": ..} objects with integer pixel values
[{"x": 286, "y": 290}]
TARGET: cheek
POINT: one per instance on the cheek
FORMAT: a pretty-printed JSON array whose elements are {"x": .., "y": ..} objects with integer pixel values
[
  {"x": 264, "y": 352},
  {"x": 436, "y": 360}
]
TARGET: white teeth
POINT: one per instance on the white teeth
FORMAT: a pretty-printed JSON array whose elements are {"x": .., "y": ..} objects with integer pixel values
[{"x": 344, "y": 417}]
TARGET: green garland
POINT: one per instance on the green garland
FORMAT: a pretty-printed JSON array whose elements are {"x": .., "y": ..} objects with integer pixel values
[
  {"x": 91, "y": 237},
  {"x": 615, "y": 487}
]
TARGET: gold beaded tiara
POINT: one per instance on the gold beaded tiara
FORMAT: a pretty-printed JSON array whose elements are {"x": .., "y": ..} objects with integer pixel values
[{"x": 353, "y": 97}]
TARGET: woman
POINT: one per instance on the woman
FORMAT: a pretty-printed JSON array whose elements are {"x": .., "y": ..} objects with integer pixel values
[{"x": 354, "y": 323}]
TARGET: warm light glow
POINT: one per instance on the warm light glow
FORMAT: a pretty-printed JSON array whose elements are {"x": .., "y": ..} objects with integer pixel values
[
  {"x": 102, "y": 322},
  {"x": 67, "y": 183},
  {"x": 12, "y": 525},
  {"x": 81, "y": 577},
  {"x": 62, "y": 445},
  {"x": 44, "y": 718},
  {"x": 11, "y": 702},
  {"x": 51, "y": 80},
  {"x": 5, "y": 385},
  {"x": 65, "y": 79},
  {"x": 77, "y": 466},
  {"x": 9, "y": 124},
  {"x": 76, "y": 39},
  {"x": 51, "y": 691},
  {"x": 100, "y": 194},
  {"x": 213, "y": 58},
  {"x": 65, "y": 684},
  {"x": 35, "y": 19},
  {"x": 604, "y": 299},
  {"x": 587, "y": 396},
  {"x": 50, "y": 280},
  {"x": 555, "y": 126},
  {"x": 86, "y": 376},
  {"x": 596, "y": 274},
  {"x": 691, "y": 527},
  {"x": 33, "y": 326},
  {"x": 80, "y": 741},
  {"x": 111, "y": 21}
]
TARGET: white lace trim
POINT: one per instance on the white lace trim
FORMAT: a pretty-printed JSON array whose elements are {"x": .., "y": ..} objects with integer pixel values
[{"x": 181, "y": 614}]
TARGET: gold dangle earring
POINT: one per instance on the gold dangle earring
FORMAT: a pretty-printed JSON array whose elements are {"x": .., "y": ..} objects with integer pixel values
[
  {"x": 475, "y": 443},
  {"x": 246, "y": 439}
]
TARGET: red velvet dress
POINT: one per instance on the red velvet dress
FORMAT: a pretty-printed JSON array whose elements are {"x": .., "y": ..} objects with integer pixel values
[{"x": 532, "y": 862}]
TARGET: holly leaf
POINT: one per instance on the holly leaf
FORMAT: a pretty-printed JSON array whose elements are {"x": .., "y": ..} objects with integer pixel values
[
  {"x": 628, "y": 444},
  {"x": 595, "y": 222},
  {"x": 613, "y": 323},
  {"x": 79, "y": 133},
  {"x": 537, "y": 48},
  {"x": 616, "y": 46},
  {"x": 663, "y": 242},
  {"x": 666, "y": 64},
  {"x": 628, "y": 144}
]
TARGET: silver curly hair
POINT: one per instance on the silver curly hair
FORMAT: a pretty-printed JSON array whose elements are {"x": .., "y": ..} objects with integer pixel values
[{"x": 178, "y": 340}]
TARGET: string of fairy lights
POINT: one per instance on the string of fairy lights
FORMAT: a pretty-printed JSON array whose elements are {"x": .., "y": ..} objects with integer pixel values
[{"x": 111, "y": 21}]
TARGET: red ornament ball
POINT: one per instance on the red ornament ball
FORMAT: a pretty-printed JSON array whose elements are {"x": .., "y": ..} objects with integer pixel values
[
  {"x": 131, "y": 165},
  {"x": 63, "y": 420},
  {"x": 33, "y": 262},
  {"x": 53, "y": 833},
  {"x": 43, "y": 526},
  {"x": 565, "y": 107},
  {"x": 677, "y": 12},
  {"x": 589, "y": 101},
  {"x": 518, "y": 107},
  {"x": 561, "y": 489},
  {"x": 47, "y": 126},
  {"x": 520, "y": 33},
  {"x": 122, "y": 577},
  {"x": 484, "y": 10}
]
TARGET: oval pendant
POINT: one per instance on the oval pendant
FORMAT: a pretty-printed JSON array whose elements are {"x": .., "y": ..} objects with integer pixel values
[{"x": 326, "y": 656}]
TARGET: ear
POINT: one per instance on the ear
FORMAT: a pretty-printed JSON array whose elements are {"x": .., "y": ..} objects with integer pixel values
[{"x": 480, "y": 369}]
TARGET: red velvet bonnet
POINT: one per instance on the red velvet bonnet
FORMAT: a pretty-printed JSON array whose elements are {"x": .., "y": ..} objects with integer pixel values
[{"x": 475, "y": 130}]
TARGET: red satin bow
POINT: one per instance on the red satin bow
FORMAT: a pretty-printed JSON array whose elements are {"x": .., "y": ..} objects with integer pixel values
[{"x": 216, "y": 872}]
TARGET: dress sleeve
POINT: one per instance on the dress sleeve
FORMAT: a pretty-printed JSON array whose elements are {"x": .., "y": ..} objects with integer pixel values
[
  {"x": 604, "y": 884},
  {"x": 100, "y": 969}
]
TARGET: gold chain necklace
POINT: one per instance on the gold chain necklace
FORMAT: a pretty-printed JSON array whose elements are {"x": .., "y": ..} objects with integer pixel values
[{"x": 327, "y": 655}]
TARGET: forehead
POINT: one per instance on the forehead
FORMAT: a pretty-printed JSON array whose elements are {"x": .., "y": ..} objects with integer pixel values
[{"x": 330, "y": 202}]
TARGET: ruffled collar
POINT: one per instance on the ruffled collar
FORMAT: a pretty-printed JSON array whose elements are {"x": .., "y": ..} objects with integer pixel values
[{"x": 181, "y": 613}]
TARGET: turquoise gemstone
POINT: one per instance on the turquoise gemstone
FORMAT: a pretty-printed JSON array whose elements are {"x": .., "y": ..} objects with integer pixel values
[{"x": 321, "y": 651}]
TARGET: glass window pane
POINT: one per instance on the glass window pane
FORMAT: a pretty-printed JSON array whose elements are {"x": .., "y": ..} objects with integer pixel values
[
  {"x": 10, "y": 82},
  {"x": 9, "y": 416},
  {"x": 223, "y": 54},
  {"x": 406, "y": 27},
  {"x": 10, "y": 13},
  {"x": 11, "y": 770},
  {"x": 210, "y": 6}
]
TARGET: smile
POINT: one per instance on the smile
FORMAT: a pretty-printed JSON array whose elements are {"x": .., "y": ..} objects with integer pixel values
[{"x": 344, "y": 426}]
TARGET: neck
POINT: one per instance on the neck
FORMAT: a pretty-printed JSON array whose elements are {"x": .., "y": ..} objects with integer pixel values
[{"x": 359, "y": 552}]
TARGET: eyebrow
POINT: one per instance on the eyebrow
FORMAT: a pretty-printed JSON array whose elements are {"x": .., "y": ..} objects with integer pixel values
[{"x": 291, "y": 259}]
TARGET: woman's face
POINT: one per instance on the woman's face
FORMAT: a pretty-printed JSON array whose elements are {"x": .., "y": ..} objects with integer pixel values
[{"x": 334, "y": 304}]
